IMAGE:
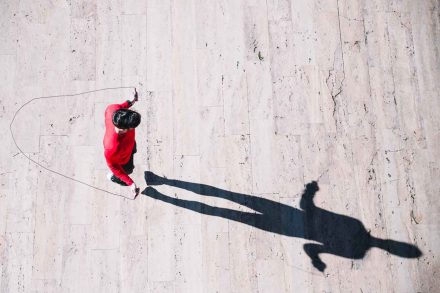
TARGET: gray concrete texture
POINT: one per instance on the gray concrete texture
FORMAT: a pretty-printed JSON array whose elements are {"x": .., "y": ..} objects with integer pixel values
[{"x": 244, "y": 105}]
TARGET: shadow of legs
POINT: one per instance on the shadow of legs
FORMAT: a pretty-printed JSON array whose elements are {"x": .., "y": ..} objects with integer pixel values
[
  {"x": 202, "y": 208},
  {"x": 258, "y": 204}
]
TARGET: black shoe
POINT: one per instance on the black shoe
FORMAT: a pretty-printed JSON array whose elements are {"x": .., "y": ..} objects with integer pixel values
[{"x": 116, "y": 180}]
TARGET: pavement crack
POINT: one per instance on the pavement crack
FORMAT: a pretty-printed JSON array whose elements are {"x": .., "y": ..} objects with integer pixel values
[{"x": 336, "y": 75}]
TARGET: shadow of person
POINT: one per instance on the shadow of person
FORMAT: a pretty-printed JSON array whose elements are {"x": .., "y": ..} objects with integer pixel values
[{"x": 336, "y": 234}]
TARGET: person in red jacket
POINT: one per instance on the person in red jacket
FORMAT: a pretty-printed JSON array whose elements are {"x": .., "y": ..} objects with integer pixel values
[{"x": 119, "y": 142}]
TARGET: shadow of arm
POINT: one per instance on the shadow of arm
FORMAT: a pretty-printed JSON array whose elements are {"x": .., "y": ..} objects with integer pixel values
[{"x": 306, "y": 201}]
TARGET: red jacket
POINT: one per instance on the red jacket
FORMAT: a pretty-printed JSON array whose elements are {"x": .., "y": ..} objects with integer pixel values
[{"x": 117, "y": 147}]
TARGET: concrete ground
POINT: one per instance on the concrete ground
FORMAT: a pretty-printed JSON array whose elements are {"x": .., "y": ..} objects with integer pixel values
[{"x": 244, "y": 105}]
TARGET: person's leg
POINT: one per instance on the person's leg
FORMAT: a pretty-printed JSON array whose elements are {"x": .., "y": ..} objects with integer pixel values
[{"x": 129, "y": 166}]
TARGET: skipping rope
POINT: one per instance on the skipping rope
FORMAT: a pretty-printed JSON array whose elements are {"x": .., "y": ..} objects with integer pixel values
[{"x": 53, "y": 171}]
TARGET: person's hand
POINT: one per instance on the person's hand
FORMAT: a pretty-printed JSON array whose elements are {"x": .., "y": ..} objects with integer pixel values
[
  {"x": 134, "y": 190},
  {"x": 135, "y": 98}
]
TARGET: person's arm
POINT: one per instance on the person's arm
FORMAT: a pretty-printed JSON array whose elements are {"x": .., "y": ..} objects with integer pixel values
[
  {"x": 128, "y": 103},
  {"x": 119, "y": 172}
]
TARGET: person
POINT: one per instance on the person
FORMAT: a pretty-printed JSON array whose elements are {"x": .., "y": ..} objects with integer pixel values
[{"x": 119, "y": 142}]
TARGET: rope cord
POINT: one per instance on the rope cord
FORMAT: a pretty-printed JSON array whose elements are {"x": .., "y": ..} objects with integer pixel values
[{"x": 53, "y": 171}]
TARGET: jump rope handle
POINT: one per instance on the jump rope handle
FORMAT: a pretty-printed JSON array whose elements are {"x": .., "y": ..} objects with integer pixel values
[{"x": 135, "y": 95}]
